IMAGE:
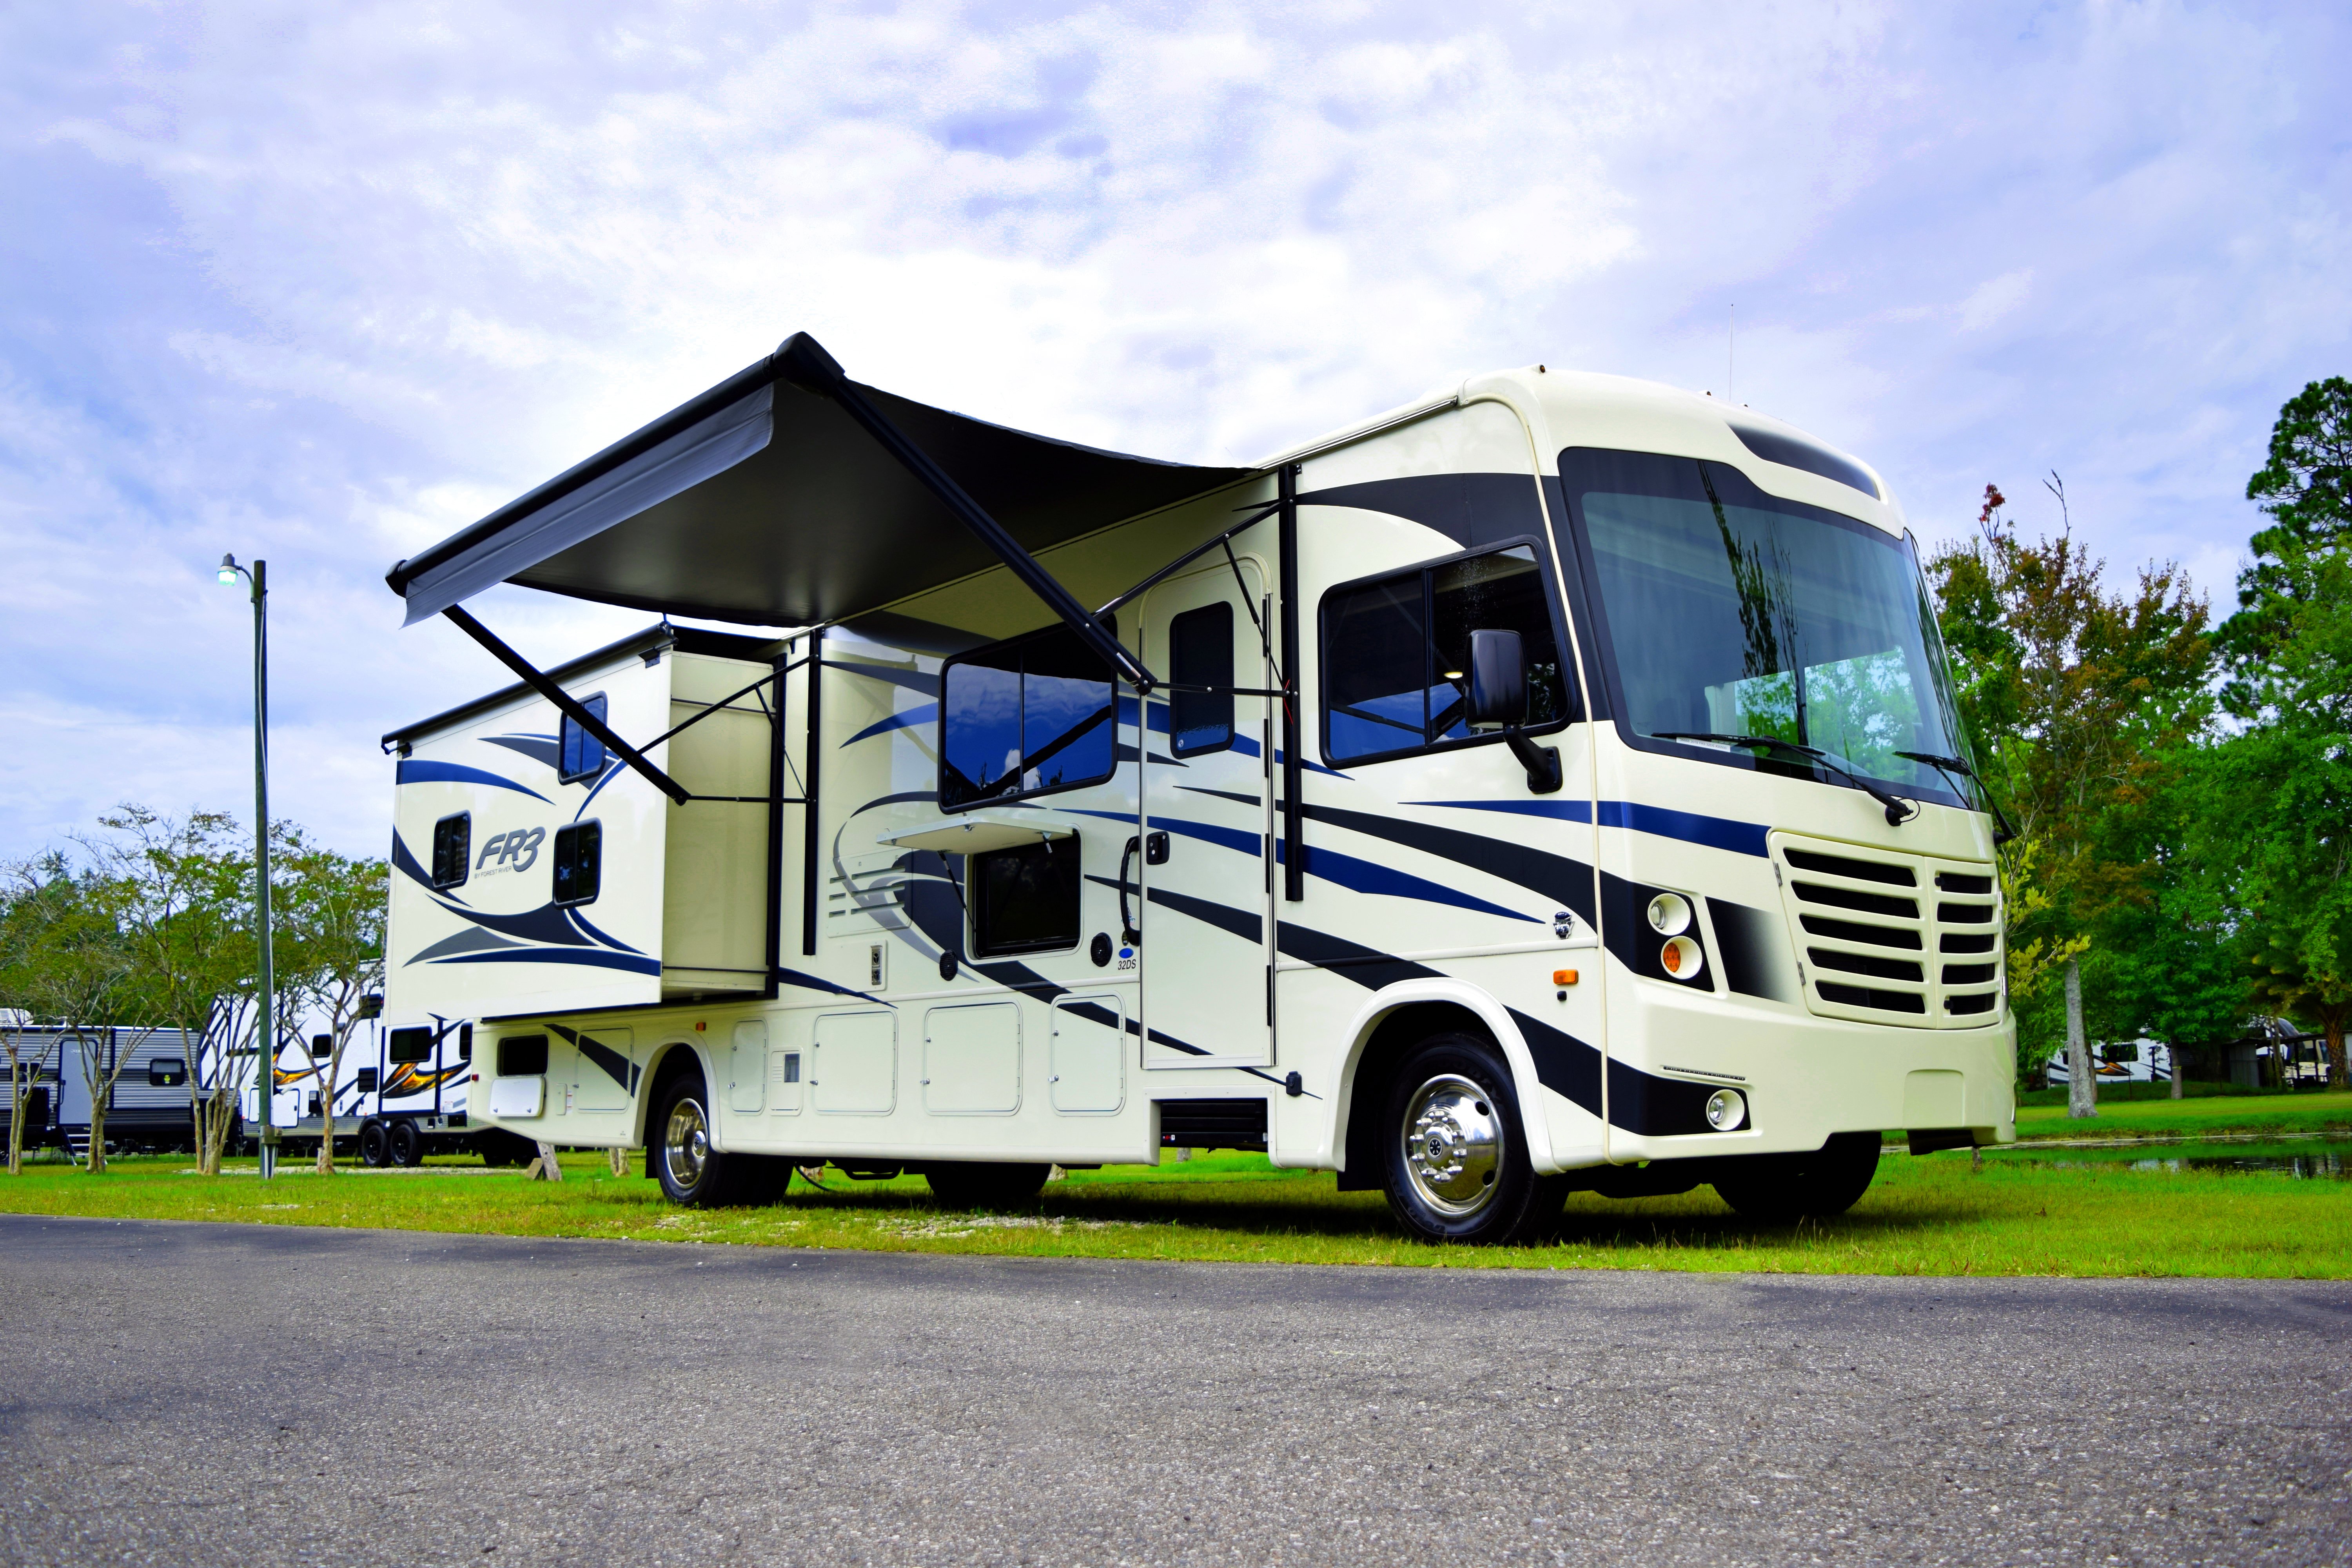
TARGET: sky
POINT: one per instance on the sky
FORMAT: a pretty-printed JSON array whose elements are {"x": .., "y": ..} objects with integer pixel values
[{"x": 323, "y": 284}]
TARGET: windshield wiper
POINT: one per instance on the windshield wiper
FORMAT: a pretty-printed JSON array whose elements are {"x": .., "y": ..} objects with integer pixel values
[
  {"x": 1898, "y": 811},
  {"x": 1947, "y": 766}
]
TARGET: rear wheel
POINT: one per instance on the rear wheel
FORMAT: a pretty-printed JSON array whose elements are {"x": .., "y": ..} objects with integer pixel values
[
  {"x": 406, "y": 1145},
  {"x": 1782, "y": 1188},
  {"x": 375, "y": 1148},
  {"x": 970, "y": 1184},
  {"x": 1455, "y": 1161},
  {"x": 697, "y": 1174}
]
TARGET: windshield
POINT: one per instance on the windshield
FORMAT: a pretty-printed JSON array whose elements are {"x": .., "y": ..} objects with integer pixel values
[{"x": 1731, "y": 612}]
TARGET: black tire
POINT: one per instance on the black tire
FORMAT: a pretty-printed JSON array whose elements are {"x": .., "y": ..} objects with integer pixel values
[
  {"x": 691, "y": 1172},
  {"x": 1453, "y": 1157},
  {"x": 1780, "y": 1189},
  {"x": 376, "y": 1147},
  {"x": 404, "y": 1144},
  {"x": 970, "y": 1184}
]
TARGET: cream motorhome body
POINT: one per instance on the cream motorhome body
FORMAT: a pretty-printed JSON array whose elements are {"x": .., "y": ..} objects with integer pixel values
[{"x": 1552, "y": 784}]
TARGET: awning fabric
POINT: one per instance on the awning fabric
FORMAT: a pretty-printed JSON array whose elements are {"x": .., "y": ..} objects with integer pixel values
[{"x": 762, "y": 503}]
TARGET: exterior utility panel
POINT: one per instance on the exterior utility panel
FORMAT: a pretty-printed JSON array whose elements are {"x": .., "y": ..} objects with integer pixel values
[{"x": 1045, "y": 922}]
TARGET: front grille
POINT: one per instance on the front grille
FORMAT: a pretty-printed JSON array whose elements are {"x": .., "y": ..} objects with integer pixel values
[{"x": 1866, "y": 944}]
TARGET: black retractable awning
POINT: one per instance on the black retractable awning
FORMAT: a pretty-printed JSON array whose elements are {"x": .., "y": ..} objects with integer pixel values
[{"x": 764, "y": 501}]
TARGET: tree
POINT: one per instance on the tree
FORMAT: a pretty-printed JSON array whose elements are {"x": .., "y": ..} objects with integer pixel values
[
  {"x": 22, "y": 916},
  {"x": 79, "y": 972},
  {"x": 188, "y": 923},
  {"x": 2076, "y": 696},
  {"x": 333, "y": 955}
]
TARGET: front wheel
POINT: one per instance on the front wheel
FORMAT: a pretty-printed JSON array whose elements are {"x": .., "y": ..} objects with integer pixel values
[
  {"x": 694, "y": 1174},
  {"x": 1780, "y": 1189},
  {"x": 375, "y": 1148},
  {"x": 1455, "y": 1161}
]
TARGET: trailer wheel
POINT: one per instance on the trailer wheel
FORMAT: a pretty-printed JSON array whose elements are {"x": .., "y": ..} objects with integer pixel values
[
  {"x": 406, "y": 1145},
  {"x": 1780, "y": 1189},
  {"x": 972, "y": 1185},
  {"x": 693, "y": 1172},
  {"x": 376, "y": 1147},
  {"x": 1455, "y": 1161}
]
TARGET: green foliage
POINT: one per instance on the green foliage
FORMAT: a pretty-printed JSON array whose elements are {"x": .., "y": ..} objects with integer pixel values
[{"x": 2079, "y": 703}]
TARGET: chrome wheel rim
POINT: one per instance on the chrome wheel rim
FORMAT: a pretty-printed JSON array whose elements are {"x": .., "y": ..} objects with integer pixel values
[
  {"x": 686, "y": 1143},
  {"x": 1452, "y": 1145}
]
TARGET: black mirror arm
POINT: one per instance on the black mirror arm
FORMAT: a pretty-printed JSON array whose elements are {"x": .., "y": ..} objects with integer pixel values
[{"x": 1542, "y": 763}]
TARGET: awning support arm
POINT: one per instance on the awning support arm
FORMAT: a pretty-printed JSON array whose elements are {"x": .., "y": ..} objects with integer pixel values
[
  {"x": 805, "y": 363},
  {"x": 1187, "y": 559},
  {"x": 571, "y": 706}
]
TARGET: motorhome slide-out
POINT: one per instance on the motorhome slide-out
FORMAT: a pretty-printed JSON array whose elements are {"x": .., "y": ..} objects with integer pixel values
[{"x": 1554, "y": 784}]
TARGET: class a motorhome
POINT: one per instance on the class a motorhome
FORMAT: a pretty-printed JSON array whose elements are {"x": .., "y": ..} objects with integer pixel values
[{"x": 1554, "y": 784}]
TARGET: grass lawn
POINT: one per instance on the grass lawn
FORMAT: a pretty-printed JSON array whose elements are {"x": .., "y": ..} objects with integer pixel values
[
  {"x": 2024, "y": 1211},
  {"x": 2306, "y": 1113}
]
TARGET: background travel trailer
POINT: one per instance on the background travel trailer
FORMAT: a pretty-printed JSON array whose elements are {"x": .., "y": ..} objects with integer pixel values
[{"x": 1368, "y": 808}]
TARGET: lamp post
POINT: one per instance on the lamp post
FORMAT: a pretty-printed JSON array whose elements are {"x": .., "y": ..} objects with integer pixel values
[{"x": 265, "y": 1028}]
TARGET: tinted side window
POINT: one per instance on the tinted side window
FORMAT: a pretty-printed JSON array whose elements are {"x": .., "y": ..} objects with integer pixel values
[
  {"x": 414, "y": 1044},
  {"x": 1026, "y": 899},
  {"x": 1499, "y": 591},
  {"x": 1201, "y": 653},
  {"x": 583, "y": 753},
  {"x": 453, "y": 839},
  {"x": 520, "y": 1055},
  {"x": 1376, "y": 666},
  {"x": 579, "y": 862},
  {"x": 1022, "y": 718},
  {"x": 1396, "y": 652}
]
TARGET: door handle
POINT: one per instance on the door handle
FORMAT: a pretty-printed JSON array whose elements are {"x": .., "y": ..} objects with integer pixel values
[
  {"x": 1127, "y": 932},
  {"x": 1155, "y": 850}
]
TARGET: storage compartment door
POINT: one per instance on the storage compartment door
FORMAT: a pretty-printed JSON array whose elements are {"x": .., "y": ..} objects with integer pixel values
[
  {"x": 972, "y": 1059},
  {"x": 855, "y": 1065}
]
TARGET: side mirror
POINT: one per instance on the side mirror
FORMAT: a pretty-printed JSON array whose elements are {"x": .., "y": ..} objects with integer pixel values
[{"x": 1499, "y": 680}]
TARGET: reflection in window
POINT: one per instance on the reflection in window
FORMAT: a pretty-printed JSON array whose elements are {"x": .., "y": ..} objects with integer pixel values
[
  {"x": 1024, "y": 717},
  {"x": 1787, "y": 620},
  {"x": 1201, "y": 653},
  {"x": 453, "y": 841},
  {"x": 1396, "y": 652},
  {"x": 583, "y": 753},
  {"x": 579, "y": 862},
  {"x": 1026, "y": 899}
]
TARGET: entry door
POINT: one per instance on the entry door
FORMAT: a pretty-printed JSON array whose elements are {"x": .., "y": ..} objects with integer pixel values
[{"x": 1206, "y": 915}]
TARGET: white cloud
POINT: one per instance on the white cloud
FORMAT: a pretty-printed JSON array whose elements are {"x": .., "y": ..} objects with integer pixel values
[{"x": 323, "y": 284}]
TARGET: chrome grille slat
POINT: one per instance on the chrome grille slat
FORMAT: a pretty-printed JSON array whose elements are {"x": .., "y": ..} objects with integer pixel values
[{"x": 1859, "y": 938}]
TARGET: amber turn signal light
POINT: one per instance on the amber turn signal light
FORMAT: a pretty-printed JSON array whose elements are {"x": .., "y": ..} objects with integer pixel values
[{"x": 1563, "y": 977}]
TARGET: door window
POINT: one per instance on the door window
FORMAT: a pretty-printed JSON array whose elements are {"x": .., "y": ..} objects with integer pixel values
[{"x": 1201, "y": 653}]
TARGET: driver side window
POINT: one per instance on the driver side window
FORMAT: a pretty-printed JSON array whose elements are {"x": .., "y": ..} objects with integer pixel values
[{"x": 1396, "y": 651}]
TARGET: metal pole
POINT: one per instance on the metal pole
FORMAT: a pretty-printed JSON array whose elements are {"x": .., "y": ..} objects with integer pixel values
[{"x": 265, "y": 1036}]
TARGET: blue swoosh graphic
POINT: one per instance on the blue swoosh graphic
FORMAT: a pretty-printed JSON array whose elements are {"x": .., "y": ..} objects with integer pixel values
[{"x": 457, "y": 773}]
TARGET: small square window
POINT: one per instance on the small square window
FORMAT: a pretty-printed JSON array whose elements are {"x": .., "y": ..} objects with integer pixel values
[
  {"x": 579, "y": 862},
  {"x": 522, "y": 1055},
  {"x": 583, "y": 753},
  {"x": 1026, "y": 899},
  {"x": 413, "y": 1045},
  {"x": 452, "y": 841}
]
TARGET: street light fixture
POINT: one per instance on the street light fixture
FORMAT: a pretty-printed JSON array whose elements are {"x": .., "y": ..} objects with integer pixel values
[{"x": 265, "y": 1032}]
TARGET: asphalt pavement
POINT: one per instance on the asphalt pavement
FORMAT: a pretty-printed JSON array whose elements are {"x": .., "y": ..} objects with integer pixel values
[{"x": 249, "y": 1395}]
